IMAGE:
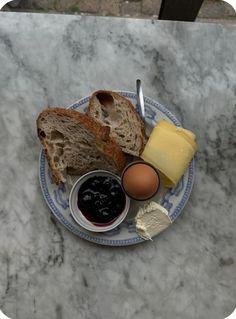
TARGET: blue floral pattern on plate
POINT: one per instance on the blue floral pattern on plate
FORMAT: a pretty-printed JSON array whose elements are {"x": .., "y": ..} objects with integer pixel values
[{"x": 57, "y": 197}]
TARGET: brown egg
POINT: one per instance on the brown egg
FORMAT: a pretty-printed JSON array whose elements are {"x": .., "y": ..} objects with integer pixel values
[{"x": 140, "y": 181}]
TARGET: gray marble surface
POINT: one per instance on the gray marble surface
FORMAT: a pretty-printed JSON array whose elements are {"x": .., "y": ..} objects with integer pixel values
[{"x": 189, "y": 271}]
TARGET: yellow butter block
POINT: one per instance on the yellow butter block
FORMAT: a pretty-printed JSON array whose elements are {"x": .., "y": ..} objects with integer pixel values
[{"x": 170, "y": 149}]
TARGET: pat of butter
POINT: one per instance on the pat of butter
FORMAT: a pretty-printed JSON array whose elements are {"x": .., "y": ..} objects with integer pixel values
[
  {"x": 170, "y": 149},
  {"x": 151, "y": 220}
]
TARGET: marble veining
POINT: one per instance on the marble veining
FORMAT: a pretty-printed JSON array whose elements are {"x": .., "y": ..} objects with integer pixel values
[{"x": 189, "y": 270}]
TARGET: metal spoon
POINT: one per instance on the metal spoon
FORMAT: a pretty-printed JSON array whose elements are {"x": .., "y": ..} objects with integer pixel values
[
  {"x": 141, "y": 109},
  {"x": 140, "y": 100}
]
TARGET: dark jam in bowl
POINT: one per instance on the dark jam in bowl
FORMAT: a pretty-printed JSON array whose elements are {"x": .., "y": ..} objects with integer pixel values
[{"x": 101, "y": 199}]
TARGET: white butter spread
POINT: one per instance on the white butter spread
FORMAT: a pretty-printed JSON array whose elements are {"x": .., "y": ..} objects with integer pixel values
[{"x": 151, "y": 220}]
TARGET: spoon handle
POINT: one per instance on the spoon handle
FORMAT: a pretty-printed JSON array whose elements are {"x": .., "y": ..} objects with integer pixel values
[{"x": 140, "y": 100}]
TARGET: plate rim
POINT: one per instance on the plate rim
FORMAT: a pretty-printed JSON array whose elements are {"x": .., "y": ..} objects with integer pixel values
[{"x": 111, "y": 242}]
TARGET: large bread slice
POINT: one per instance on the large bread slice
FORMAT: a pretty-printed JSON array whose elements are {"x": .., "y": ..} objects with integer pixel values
[
  {"x": 75, "y": 144},
  {"x": 127, "y": 128}
]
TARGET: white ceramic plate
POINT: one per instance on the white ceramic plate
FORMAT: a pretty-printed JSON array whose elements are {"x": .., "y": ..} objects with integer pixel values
[{"x": 174, "y": 200}]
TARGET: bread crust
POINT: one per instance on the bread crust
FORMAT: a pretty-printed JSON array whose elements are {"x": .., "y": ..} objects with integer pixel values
[
  {"x": 101, "y": 133},
  {"x": 130, "y": 106}
]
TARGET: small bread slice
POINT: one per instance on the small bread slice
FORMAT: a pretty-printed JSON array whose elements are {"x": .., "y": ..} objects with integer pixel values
[
  {"x": 127, "y": 128},
  {"x": 76, "y": 144}
]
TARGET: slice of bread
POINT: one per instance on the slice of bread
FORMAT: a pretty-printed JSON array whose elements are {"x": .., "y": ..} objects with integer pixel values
[
  {"x": 76, "y": 144},
  {"x": 127, "y": 128}
]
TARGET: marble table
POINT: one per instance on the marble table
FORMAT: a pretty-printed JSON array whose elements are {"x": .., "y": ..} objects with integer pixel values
[{"x": 188, "y": 271}]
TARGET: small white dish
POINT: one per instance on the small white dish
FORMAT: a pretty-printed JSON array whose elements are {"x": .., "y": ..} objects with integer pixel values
[{"x": 78, "y": 215}]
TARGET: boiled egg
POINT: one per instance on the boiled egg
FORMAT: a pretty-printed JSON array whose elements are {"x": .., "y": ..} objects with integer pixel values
[{"x": 140, "y": 180}]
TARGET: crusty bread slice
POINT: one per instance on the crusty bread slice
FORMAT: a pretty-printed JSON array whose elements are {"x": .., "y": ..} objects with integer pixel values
[
  {"x": 76, "y": 144},
  {"x": 127, "y": 128}
]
